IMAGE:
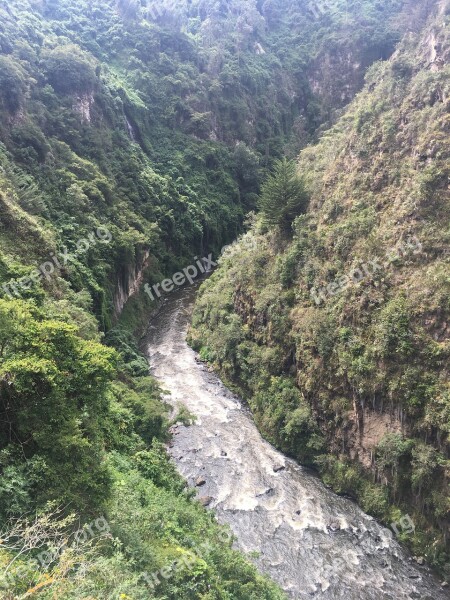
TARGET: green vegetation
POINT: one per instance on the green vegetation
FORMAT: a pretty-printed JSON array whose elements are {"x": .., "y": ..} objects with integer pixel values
[
  {"x": 159, "y": 130},
  {"x": 355, "y": 380},
  {"x": 283, "y": 196},
  {"x": 69, "y": 70},
  {"x": 82, "y": 431},
  {"x": 13, "y": 84},
  {"x": 82, "y": 426},
  {"x": 49, "y": 379}
]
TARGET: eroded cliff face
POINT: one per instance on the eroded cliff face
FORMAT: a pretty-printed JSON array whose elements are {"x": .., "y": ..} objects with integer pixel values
[
  {"x": 338, "y": 335},
  {"x": 129, "y": 282},
  {"x": 336, "y": 74},
  {"x": 83, "y": 106}
]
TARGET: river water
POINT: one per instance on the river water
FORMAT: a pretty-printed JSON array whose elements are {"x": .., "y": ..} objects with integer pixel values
[{"x": 314, "y": 543}]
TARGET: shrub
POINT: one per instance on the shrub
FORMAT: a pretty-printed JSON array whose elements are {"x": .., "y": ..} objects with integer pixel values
[{"x": 69, "y": 69}]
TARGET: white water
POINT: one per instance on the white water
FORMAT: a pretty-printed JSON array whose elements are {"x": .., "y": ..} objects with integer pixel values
[{"x": 312, "y": 542}]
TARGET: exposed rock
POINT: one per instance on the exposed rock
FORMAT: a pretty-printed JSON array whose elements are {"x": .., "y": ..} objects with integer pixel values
[
  {"x": 128, "y": 283},
  {"x": 200, "y": 482},
  {"x": 266, "y": 492},
  {"x": 205, "y": 500},
  {"x": 83, "y": 106},
  {"x": 278, "y": 468}
]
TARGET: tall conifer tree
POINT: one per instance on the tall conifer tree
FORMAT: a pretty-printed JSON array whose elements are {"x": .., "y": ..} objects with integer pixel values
[{"x": 283, "y": 195}]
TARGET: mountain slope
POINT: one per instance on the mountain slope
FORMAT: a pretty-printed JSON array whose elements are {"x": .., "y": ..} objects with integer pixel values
[
  {"x": 130, "y": 141},
  {"x": 338, "y": 335}
]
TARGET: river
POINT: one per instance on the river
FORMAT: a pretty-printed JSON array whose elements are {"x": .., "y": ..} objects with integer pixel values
[{"x": 314, "y": 543}]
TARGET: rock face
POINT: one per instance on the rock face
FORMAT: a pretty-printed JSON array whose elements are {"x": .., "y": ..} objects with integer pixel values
[
  {"x": 83, "y": 106},
  {"x": 375, "y": 425},
  {"x": 338, "y": 76},
  {"x": 337, "y": 73},
  {"x": 205, "y": 500},
  {"x": 129, "y": 282}
]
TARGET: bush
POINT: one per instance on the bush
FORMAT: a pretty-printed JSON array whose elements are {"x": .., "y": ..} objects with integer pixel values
[
  {"x": 53, "y": 386},
  {"x": 26, "y": 136},
  {"x": 69, "y": 70}
]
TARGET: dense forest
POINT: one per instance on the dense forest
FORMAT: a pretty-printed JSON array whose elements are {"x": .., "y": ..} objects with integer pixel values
[{"x": 136, "y": 135}]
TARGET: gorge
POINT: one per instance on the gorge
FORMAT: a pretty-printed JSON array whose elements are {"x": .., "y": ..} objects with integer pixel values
[
  {"x": 304, "y": 142},
  {"x": 310, "y": 541}
]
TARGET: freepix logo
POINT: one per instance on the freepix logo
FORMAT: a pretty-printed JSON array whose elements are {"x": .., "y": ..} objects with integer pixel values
[
  {"x": 157, "y": 10},
  {"x": 199, "y": 267},
  {"x": 55, "y": 548},
  {"x": 319, "y": 8},
  {"x": 189, "y": 274},
  {"x": 367, "y": 270},
  {"x": 57, "y": 261}
]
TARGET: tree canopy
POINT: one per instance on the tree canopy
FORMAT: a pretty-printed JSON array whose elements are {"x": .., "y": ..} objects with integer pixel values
[{"x": 283, "y": 195}]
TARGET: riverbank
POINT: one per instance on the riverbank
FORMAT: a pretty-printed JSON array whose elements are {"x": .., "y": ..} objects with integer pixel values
[{"x": 309, "y": 540}]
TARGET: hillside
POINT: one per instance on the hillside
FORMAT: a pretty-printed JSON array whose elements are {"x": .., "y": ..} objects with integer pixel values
[
  {"x": 336, "y": 331},
  {"x": 133, "y": 137}
]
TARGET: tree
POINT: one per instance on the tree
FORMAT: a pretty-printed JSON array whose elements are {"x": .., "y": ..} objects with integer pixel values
[
  {"x": 12, "y": 84},
  {"x": 248, "y": 172},
  {"x": 283, "y": 195},
  {"x": 53, "y": 401},
  {"x": 70, "y": 70}
]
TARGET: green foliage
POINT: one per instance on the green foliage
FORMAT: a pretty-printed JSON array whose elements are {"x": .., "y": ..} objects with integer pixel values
[
  {"x": 395, "y": 336},
  {"x": 12, "y": 84},
  {"x": 391, "y": 450},
  {"x": 346, "y": 311},
  {"x": 53, "y": 398},
  {"x": 69, "y": 69},
  {"x": 183, "y": 416},
  {"x": 161, "y": 528},
  {"x": 287, "y": 420},
  {"x": 154, "y": 464},
  {"x": 425, "y": 463},
  {"x": 283, "y": 195},
  {"x": 132, "y": 361},
  {"x": 141, "y": 397},
  {"x": 72, "y": 437}
]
